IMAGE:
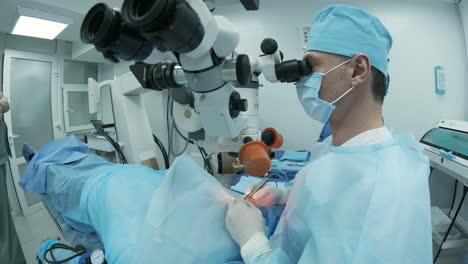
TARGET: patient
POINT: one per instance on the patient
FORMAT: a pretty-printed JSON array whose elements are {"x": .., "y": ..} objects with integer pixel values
[{"x": 139, "y": 214}]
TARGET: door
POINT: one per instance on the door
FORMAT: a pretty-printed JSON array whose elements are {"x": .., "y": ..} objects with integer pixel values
[{"x": 30, "y": 81}]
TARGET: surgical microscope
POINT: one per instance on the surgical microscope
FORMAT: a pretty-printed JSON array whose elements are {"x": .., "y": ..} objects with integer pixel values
[{"x": 215, "y": 90}]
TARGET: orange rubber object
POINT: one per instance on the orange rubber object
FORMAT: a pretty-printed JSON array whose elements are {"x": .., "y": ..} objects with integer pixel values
[
  {"x": 254, "y": 157},
  {"x": 278, "y": 138}
]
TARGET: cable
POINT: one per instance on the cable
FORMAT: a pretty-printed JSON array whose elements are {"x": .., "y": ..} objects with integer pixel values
[
  {"x": 168, "y": 107},
  {"x": 206, "y": 160},
  {"x": 220, "y": 163},
  {"x": 170, "y": 130},
  {"x": 171, "y": 141},
  {"x": 122, "y": 157},
  {"x": 169, "y": 111},
  {"x": 79, "y": 251},
  {"x": 202, "y": 153},
  {"x": 465, "y": 190},
  {"x": 455, "y": 189},
  {"x": 171, "y": 126},
  {"x": 163, "y": 150},
  {"x": 100, "y": 129},
  {"x": 279, "y": 172},
  {"x": 113, "y": 143},
  {"x": 116, "y": 147},
  {"x": 184, "y": 137}
]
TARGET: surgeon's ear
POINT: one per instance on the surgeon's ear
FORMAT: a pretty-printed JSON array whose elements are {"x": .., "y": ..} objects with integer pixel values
[{"x": 362, "y": 69}]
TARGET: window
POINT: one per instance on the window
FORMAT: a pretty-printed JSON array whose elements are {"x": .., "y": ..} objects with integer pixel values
[{"x": 75, "y": 94}]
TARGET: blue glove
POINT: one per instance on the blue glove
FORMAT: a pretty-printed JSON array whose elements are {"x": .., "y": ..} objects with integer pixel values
[
  {"x": 28, "y": 152},
  {"x": 243, "y": 221}
]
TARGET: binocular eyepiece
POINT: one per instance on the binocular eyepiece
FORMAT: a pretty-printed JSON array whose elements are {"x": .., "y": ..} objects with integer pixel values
[
  {"x": 168, "y": 25},
  {"x": 286, "y": 71},
  {"x": 292, "y": 70}
]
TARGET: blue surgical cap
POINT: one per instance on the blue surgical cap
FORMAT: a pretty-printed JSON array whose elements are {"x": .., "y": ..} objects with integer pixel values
[{"x": 347, "y": 31}]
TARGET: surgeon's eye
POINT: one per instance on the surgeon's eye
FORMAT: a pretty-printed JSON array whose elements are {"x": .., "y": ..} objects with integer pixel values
[
  {"x": 311, "y": 63},
  {"x": 311, "y": 67}
]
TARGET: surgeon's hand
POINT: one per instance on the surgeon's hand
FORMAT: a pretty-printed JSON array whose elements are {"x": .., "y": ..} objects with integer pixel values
[
  {"x": 4, "y": 105},
  {"x": 269, "y": 195},
  {"x": 243, "y": 220}
]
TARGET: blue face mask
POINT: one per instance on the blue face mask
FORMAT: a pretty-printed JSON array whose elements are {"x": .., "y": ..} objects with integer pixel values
[{"x": 308, "y": 92}]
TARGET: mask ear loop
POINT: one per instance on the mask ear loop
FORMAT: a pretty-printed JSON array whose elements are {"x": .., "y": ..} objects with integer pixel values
[
  {"x": 336, "y": 67},
  {"x": 347, "y": 92},
  {"x": 339, "y": 98}
]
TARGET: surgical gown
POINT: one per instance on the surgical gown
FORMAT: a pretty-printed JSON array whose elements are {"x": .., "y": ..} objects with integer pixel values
[{"x": 363, "y": 204}]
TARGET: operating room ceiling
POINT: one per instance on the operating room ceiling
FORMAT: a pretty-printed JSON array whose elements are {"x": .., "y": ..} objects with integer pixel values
[{"x": 75, "y": 9}]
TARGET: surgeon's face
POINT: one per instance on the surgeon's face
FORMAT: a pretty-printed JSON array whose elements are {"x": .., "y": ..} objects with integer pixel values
[{"x": 335, "y": 83}]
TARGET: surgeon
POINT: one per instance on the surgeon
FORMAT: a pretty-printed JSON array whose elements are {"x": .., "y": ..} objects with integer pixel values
[
  {"x": 10, "y": 247},
  {"x": 366, "y": 199}
]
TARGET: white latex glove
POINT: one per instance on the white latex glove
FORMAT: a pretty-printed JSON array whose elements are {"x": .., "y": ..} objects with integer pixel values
[
  {"x": 4, "y": 105},
  {"x": 269, "y": 195},
  {"x": 243, "y": 221}
]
